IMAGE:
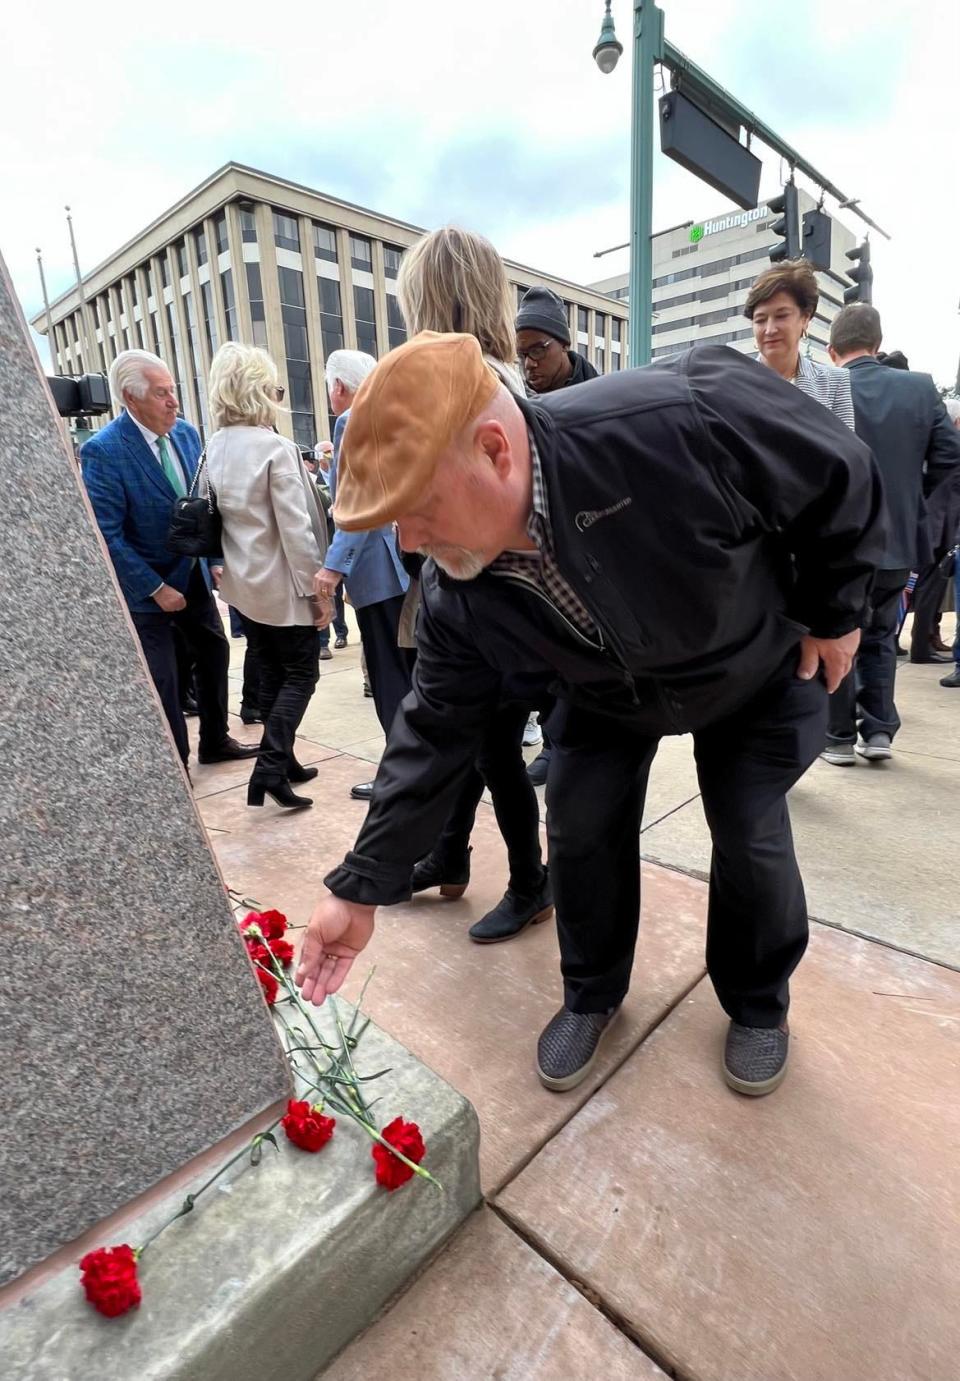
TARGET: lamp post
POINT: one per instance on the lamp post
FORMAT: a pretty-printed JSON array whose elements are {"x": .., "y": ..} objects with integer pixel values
[{"x": 647, "y": 50}]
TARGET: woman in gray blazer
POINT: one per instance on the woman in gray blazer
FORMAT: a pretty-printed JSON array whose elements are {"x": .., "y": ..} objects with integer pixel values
[{"x": 274, "y": 540}]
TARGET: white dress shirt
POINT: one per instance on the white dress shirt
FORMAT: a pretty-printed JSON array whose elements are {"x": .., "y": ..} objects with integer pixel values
[{"x": 151, "y": 438}]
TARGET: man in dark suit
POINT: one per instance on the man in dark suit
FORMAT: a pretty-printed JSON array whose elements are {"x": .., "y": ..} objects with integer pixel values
[
  {"x": 901, "y": 417},
  {"x": 134, "y": 469}
]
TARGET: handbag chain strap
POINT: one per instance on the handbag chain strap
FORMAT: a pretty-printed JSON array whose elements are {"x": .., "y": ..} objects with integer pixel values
[{"x": 211, "y": 496}]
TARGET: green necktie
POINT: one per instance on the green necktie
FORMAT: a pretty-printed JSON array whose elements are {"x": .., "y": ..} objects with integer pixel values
[{"x": 170, "y": 468}]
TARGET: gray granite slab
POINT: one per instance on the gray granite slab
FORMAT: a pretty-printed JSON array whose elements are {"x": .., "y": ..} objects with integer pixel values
[
  {"x": 278, "y": 1269},
  {"x": 132, "y": 1032}
]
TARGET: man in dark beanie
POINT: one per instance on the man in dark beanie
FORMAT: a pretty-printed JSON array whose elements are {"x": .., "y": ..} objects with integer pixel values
[{"x": 543, "y": 341}]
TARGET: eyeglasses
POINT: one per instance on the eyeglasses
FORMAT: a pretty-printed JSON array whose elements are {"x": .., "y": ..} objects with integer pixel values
[{"x": 535, "y": 352}]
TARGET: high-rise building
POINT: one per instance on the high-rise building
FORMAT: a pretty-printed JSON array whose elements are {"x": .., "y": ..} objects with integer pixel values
[
  {"x": 251, "y": 257},
  {"x": 702, "y": 271}
]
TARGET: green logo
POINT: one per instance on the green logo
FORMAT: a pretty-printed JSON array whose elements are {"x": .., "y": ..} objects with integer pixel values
[{"x": 696, "y": 233}]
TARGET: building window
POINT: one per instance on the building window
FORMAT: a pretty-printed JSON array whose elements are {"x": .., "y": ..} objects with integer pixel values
[
  {"x": 325, "y": 242},
  {"x": 286, "y": 233},
  {"x": 366, "y": 320},
  {"x": 248, "y": 226},
  {"x": 180, "y": 249},
  {"x": 220, "y": 230},
  {"x": 391, "y": 261},
  {"x": 331, "y": 316},
  {"x": 230, "y": 305},
  {"x": 583, "y": 320},
  {"x": 179, "y": 374},
  {"x": 294, "y": 316},
  {"x": 258, "y": 316},
  {"x": 157, "y": 337},
  {"x": 196, "y": 360},
  {"x": 209, "y": 318},
  {"x": 361, "y": 253},
  {"x": 396, "y": 330},
  {"x": 200, "y": 243}
]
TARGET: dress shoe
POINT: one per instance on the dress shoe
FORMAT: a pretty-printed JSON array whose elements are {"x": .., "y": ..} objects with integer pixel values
[
  {"x": 755, "y": 1058},
  {"x": 297, "y": 773},
  {"x": 937, "y": 643},
  {"x": 931, "y": 657},
  {"x": 362, "y": 791},
  {"x": 537, "y": 771},
  {"x": 513, "y": 914},
  {"x": 367, "y": 691},
  {"x": 953, "y": 680},
  {"x": 279, "y": 790},
  {"x": 839, "y": 755},
  {"x": 875, "y": 748},
  {"x": 901, "y": 651},
  {"x": 228, "y": 751},
  {"x": 341, "y": 642},
  {"x": 189, "y": 706},
  {"x": 325, "y": 654},
  {"x": 568, "y": 1047},
  {"x": 248, "y": 715},
  {"x": 452, "y": 879}
]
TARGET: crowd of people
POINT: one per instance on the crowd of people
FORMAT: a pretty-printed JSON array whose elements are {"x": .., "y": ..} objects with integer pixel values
[{"x": 714, "y": 545}]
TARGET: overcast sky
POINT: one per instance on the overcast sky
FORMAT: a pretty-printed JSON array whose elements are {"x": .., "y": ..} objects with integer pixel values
[{"x": 492, "y": 114}]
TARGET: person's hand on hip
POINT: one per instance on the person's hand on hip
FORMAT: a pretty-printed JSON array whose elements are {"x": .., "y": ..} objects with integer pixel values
[{"x": 836, "y": 654}]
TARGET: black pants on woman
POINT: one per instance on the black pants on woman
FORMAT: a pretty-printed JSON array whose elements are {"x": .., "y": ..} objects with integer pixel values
[
  {"x": 501, "y": 767},
  {"x": 289, "y": 661}
]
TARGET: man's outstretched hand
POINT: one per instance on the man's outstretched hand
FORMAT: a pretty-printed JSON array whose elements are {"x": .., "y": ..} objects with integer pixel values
[
  {"x": 836, "y": 654},
  {"x": 337, "y": 932}
]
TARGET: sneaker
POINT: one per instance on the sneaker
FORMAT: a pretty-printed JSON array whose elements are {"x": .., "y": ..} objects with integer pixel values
[
  {"x": 537, "y": 771},
  {"x": 532, "y": 734},
  {"x": 755, "y": 1058},
  {"x": 325, "y": 654},
  {"x": 341, "y": 643},
  {"x": 568, "y": 1047},
  {"x": 875, "y": 748},
  {"x": 513, "y": 914},
  {"x": 452, "y": 879},
  {"x": 840, "y": 754}
]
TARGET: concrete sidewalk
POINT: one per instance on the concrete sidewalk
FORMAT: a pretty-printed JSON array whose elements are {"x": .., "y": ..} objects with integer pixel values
[{"x": 652, "y": 1222}]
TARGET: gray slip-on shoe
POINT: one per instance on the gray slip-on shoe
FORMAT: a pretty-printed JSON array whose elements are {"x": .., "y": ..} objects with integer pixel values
[
  {"x": 568, "y": 1047},
  {"x": 755, "y": 1058}
]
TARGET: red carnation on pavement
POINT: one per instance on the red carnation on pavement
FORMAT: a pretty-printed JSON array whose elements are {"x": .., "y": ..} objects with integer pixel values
[
  {"x": 306, "y": 1127},
  {"x": 282, "y": 951},
  {"x": 391, "y": 1171},
  {"x": 272, "y": 924},
  {"x": 269, "y": 985},
  {"x": 109, "y": 1279},
  {"x": 258, "y": 952}
]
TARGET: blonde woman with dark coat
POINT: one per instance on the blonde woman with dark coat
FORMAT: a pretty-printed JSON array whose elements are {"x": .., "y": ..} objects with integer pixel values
[{"x": 274, "y": 540}]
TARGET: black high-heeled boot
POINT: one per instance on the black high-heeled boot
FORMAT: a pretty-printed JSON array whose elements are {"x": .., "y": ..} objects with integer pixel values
[
  {"x": 297, "y": 773},
  {"x": 434, "y": 872},
  {"x": 279, "y": 790}
]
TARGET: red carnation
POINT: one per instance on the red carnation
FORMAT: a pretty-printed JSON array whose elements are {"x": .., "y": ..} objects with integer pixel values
[
  {"x": 272, "y": 924},
  {"x": 391, "y": 1171},
  {"x": 306, "y": 1127},
  {"x": 282, "y": 951},
  {"x": 109, "y": 1279},
  {"x": 269, "y": 985},
  {"x": 258, "y": 952}
]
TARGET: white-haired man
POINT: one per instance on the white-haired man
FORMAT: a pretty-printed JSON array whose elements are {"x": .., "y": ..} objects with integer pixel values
[
  {"x": 134, "y": 470},
  {"x": 369, "y": 565}
]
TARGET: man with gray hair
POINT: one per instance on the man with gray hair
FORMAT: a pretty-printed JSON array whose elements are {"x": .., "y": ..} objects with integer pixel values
[
  {"x": 369, "y": 565},
  {"x": 134, "y": 470},
  {"x": 900, "y": 415}
]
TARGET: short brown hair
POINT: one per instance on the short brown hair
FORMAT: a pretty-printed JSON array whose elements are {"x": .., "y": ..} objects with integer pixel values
[
  {"x": 793, "y": 276},
  {"x": 856, "y": 327}
]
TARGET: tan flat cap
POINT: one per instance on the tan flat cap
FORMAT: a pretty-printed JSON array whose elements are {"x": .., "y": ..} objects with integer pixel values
[{"x": 405, "y": 414}]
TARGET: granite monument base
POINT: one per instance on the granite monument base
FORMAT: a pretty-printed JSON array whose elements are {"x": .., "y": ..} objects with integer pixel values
[{"x": 279, "y": 1266}]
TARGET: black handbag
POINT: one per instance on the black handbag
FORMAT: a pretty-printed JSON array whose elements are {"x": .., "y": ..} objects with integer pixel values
[{"x": 195, "y": 524}]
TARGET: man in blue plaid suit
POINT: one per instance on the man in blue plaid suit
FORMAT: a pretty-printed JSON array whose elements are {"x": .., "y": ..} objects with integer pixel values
[{"x": 134, "y": 469}]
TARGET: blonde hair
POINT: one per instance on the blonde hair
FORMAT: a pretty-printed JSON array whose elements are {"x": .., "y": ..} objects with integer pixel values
[
  {"x": 453, "y": 280},
  {"x": 242, "y": 378}
]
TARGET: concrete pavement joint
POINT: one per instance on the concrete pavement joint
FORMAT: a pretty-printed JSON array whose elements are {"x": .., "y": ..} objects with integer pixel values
[
  {"x": 619, "y": 1321},
  {"x": 672, "y": 811}
]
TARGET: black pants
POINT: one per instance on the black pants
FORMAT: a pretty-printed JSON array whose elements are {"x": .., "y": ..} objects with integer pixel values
[
  {"x": 202, "y": 633},
  {"x": 289, "y": 661},
  {"x": 250, "y": 694},
  {"x": 869, "y": 687},
  {"x": 757, "y": 916},
  {"x": 927, "y": 599},
  {"x": 501, "y": 767},
  {"x": 389, "y": 667}
]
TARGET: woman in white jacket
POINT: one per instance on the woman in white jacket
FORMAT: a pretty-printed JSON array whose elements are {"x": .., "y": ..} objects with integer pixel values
[{"x": 274, "y": 540}]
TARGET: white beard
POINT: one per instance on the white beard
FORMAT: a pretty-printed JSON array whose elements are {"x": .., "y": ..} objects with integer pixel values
[{"x": 460, "y": 563}]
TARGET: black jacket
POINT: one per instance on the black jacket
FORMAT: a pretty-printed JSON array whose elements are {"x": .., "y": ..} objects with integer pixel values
[
  {"x": 582, "y": 370},
  {"x": 901, "y": 417},
  {"x": 707, "y": 514}
]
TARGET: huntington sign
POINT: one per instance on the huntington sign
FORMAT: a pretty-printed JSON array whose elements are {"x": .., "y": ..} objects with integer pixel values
[{"x": 733, "y": 222}]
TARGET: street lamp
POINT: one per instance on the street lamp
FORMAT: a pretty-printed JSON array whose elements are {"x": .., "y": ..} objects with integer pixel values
[{"x": 607, "y": 52}]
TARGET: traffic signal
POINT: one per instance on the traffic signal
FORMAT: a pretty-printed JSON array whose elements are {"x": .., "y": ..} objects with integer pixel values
[
  {"x": 786, "y": 206},
  {"x": 815, "y": 240},
  {"x": 862, "y": 275}
]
